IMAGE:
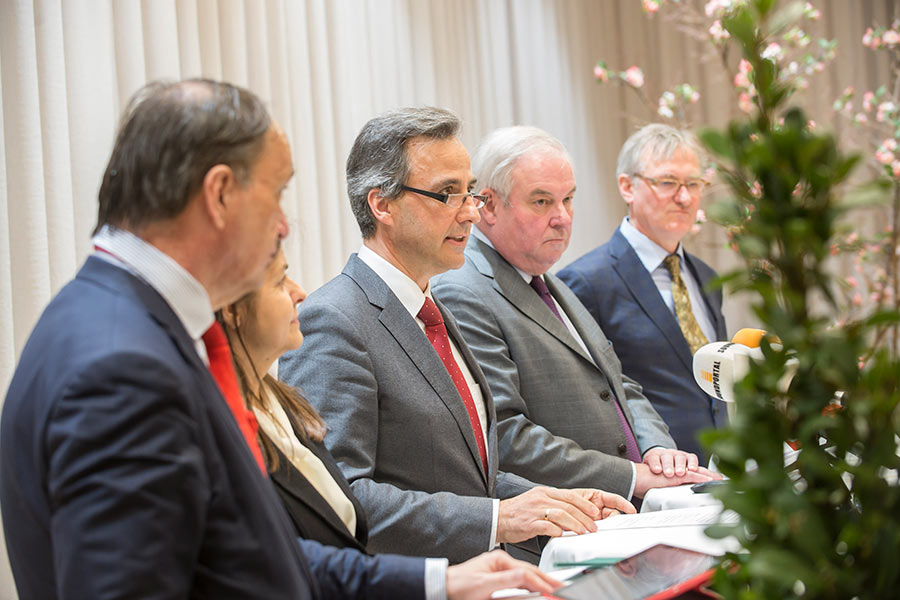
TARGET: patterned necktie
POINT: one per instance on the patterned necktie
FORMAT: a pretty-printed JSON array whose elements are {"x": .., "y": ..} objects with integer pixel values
[
  {"x": 222, "y": 369},
  {"x": 686, "y": 320},
  {"x": 631, "y": 447},
  {"x": 437, "y": 335}
]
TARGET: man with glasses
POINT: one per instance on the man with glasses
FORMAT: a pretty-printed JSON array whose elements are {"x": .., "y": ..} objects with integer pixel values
[
  {"x": 411, "y": 418},
  {"x": 646, "y": 292},
  {"x": 568, "y": 417}
]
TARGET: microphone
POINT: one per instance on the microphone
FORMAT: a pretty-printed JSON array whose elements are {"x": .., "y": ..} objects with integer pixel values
[
  {"x": 719, "y": 364},
  {"x": 752, "y": 338}
]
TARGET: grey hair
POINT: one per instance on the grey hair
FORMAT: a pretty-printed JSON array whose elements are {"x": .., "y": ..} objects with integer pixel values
[
  {"x": 378, "y": 158},
  {"x": 502, "y": 148},
  {"x": 654, "y": 143},
  {"x": 170, "y": 136}
]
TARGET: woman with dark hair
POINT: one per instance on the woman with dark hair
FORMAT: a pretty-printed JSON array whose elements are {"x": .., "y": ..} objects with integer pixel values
[{"x": 260, "y": 327}]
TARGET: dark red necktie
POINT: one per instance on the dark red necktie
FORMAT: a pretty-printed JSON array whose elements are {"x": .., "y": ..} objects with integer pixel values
[
  {"x": 437, "y": 335},
  {"x": 222, "y": 369},
  {"x": 634, "y": 454}
]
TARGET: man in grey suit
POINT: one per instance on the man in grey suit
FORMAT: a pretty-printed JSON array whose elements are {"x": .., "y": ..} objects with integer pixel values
[
  {"x": 567, "y": 415},
  {"x": 629, "y": 284},
  {"x": 411, "y": 419}
]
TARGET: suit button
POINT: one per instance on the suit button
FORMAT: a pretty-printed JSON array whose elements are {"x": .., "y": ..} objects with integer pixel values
[
  {"x": 605, "y": 394},
  {"x": 622, "y": 449}
]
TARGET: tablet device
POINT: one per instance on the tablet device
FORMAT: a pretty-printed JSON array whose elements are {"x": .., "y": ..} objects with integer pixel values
[{"x": 658, "y": 573}]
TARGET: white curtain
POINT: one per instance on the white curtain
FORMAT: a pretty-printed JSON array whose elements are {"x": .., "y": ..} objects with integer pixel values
[{"x": 325, "y": 67}]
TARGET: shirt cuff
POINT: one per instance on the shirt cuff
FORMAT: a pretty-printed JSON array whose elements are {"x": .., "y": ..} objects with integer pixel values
[
  {"x": 436, "y": 578},
  {"x": 495, "y": 519},
  {"x": 633, "y": 481}
]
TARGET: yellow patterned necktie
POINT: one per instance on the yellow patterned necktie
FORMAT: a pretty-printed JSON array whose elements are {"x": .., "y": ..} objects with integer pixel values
[{"x": 686, "y": 320}]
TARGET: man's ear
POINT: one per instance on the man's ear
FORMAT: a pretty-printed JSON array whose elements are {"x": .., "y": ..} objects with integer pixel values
[
  {"x": 380, "y": 207},
  {"x": 491, "y": 204},
  {"x": 626, "y": 188},
  {"x": 216, "y": 193}
]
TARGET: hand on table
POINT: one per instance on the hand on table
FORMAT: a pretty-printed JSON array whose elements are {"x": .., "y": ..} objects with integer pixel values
[{"x": 479, "y": 577}]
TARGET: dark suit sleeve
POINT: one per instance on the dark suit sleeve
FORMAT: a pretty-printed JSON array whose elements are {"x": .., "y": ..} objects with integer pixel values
[
  {"x": 526, "y": 447},
  {"x": 346, "y": 573},
  {"x": 120, "y": 449}
]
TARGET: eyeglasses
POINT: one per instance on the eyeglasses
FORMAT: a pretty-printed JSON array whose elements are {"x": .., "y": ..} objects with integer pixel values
[
  {"x": 451, "y": 200},
  {"x": 668, "y": 187}
]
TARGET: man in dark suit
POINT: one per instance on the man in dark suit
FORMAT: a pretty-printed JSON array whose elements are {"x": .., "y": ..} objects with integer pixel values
[
  {"x": 410, "y": 415},
  {"x": 646, "y": 292},
  {"x": 567, "y": 414},
  {"x": 123, "y": 471}
]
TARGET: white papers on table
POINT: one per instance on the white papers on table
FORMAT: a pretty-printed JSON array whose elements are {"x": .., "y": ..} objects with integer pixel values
[{"x": 622, "y": 536}]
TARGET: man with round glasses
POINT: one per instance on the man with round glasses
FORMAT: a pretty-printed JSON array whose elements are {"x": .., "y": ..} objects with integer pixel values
[{"x": 646, "y": 292}]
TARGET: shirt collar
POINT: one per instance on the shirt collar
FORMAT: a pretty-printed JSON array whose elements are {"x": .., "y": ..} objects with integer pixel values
[
  {"x": 184, "y": 294},
  {"x": 649, "y": 252},
  {"x": 407, "y": 291}
]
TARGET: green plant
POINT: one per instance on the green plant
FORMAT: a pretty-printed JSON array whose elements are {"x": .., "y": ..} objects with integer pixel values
[{"x": 808, "y": 533}]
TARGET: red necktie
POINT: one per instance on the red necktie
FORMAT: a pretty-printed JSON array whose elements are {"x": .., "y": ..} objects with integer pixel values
[
  {"x": 222, "y": 369},
  {"x": 634, "y": 454},
  {"x": 437, "y": 335}
]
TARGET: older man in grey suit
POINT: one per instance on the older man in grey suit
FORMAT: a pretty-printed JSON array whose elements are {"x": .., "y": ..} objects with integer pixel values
[
  {"x": 567, "y": 414},
  {"x": 410, "y": 415}
]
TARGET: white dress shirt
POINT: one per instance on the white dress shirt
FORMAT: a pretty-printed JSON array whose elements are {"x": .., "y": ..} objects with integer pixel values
[
  {"x": 274, "y": 421},
  {"x": 412, "y": 298},
  {"x": 651, "y": 256}
]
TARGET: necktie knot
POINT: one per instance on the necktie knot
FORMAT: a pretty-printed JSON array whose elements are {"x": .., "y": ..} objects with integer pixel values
[
  {"x": 539, "y": 285},
  {"x": 429, "y": 313},
  {"x": 673, "y": 264}
]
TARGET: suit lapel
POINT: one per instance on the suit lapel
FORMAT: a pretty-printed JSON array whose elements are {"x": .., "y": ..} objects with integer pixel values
[
  {"x": 510, "y": 285},
  {"x": 162, "y": 313},
  {"x": 639, "y": 282},
  {"x": 404, "y": 329}
]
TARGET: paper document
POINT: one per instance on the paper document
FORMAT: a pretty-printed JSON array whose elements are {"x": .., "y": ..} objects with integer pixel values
[
  {"x": 626, "y": 535},
  {"x": 696, "y": 515}
]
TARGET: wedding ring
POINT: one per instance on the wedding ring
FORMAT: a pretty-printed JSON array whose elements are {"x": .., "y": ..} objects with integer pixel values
[{"x": 547, "y": 514}]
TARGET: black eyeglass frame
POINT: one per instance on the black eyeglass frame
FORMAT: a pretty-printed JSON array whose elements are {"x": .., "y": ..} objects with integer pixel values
[{"x": 477, "y": 199}]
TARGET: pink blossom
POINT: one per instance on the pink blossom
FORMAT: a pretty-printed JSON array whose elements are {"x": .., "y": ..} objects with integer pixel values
[
  {"x": 634, "y": 77},
  {"x": 717, "y": 32},
  {"x": 857, "y": 299},
  {"x": 852, "y": 282},
  {"x": 884, "y": 156},
  {"x": 741, "y": 80},
  {"x": 811, "y": 12},
  {"x": 819, "y": 67},
  {"x": 833, "y": 249},
  {"x": 867, "y": 100},
  {"x": 601, "y": 74},
  {"x": 811, "y": 124},
  {"x": 890, "y": 38},
  {"x": 861, "y": 364},
  {"x": 890, "y": 144},
  {"x": 848, "y": 91},
  {"x": 701, "y": 216},
  {"x": 852, "y": 238},
  {"x": 745, "y": 103},
  {"x": 870, "y": 39},
  {"x": 860, "y": 118},
  {"x": 651, "y": 6},
  {"x": 744, "y": 66},
  {"x": 895, "y": 168},
  {"x": 756, "y": 190},
  {"x": 773, "y": 51}
]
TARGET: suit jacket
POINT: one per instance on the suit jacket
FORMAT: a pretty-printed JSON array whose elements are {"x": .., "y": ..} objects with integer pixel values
[
  {"x": 397, "y": 425},
  {"x": 313, "y": 517},
  {"x": 124, "y": 475},
  {"x": 619, "y": 292},
  {"x": 558, "y": 423}
]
